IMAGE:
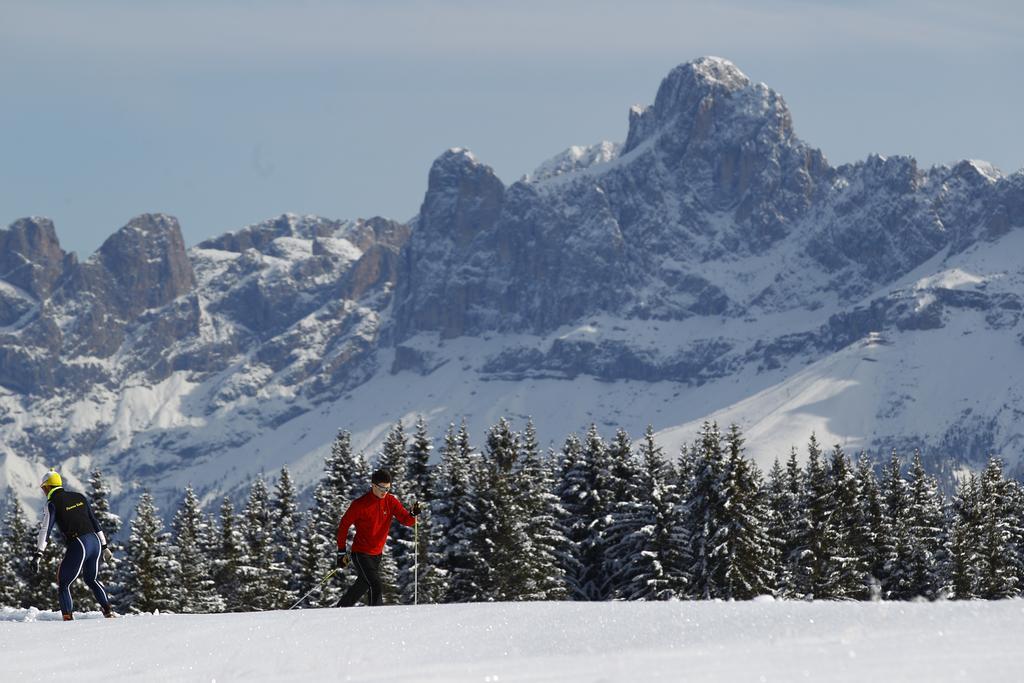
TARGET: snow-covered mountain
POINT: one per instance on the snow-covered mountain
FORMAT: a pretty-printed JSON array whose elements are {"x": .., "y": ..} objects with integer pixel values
[{"x": 713, "y": 264}]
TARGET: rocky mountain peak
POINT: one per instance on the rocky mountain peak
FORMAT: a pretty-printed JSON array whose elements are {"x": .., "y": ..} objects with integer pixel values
[
  {"x": 709, "y": 99},
  {"x": 30, "y": 255},
  {"x": 463, "y": 197},
  {"x": 147, "y": 262}
]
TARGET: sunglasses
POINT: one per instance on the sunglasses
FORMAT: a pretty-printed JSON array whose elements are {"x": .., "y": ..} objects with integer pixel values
[{"x": 385, "y": 489}]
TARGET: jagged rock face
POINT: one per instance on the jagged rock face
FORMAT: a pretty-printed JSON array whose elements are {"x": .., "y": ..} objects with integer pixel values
[
  {"x": 31, "y": 257},
  {"x": 711, "y": 173}
]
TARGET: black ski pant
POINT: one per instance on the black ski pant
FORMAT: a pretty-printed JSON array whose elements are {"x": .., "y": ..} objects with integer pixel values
[{"x": 367, "y": 579}]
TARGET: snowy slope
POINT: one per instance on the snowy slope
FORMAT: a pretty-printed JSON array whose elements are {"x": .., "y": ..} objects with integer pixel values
[{"x": 567, "y": 642}]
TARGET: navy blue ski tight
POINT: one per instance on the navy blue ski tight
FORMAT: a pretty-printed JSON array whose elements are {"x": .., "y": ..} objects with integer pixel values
[{"x": 82, "y": 557}]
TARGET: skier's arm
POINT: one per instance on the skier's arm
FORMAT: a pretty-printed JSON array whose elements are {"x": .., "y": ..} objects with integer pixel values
[
  {"x": 399, "y": 511},
  {"x": 95, "y": 524},
  {"x": 347, "y": 520},
  {"x": 46, "y": 527}
]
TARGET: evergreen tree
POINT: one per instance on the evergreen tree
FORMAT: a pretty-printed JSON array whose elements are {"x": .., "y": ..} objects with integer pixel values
[
  {"x": 896, "y": 535},
  {"x": 997, "y": 572},
  {"x": 571, "y": 493},
  {"x": 867, "y": 529},
  {"x": 98, "y": 494},
  {"x": 457, "y": 517},
  {"x": 965, "y": 572},
  {"x": 586, "y": 496},
  {"x": 420, "y": 488},
  {"x": 657, "y": 539},
  {"x": 228, "y": 558},
  {"x": 785, "y": 493},
  {"x": 263, "y": 578},
  {"x": 541, "y": 512},
  {"x": 19, "y": 547},
  {"x": 748, "y": 562},
  {"x": 197, "y": 592},
  {"x": 927, "y": 553},
  {"x": 705, "y": 516},
  {"x": 843, "y": 572},
  {"x": 151, "y": 572},
  {"x": 284, "y": 521},
  {"x": 625, "y": 513},
  {"x": 501, "y": 539}
]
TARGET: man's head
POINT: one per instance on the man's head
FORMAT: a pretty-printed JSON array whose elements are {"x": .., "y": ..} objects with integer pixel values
[
  {"x": 381, "y": 480},
  {"x": 51, "y": 480}
]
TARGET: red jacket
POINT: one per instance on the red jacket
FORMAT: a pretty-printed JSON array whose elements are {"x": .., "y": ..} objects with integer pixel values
[{"x": 372, "y": 518}]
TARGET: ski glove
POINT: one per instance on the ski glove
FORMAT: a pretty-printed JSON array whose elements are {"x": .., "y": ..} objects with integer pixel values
[
  {"x": 107, "y": 555},
  {"x": 416, "y": 509},
  {"x": 343, "y": 559},
  {"x": 36, "y": 559}
]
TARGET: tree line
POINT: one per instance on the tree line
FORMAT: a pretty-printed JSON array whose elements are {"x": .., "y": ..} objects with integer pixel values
[{"x": 597, "y": 519}]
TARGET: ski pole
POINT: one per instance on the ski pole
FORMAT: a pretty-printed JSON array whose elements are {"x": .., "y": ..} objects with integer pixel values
[
  {"x": 416, "y": 563},
  {"x": 325, "y": 580}
]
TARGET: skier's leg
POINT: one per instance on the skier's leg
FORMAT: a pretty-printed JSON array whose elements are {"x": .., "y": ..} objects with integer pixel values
[
  {"x": 371, "y": 571},
  {"x": 357, "y": 589},
  {"x": 69, "y": 569},
  {"x": 90, "y": 570}
]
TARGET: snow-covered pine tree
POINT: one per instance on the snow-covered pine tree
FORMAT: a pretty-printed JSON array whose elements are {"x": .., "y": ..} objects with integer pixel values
[
  {"x": 42, "y": 584},
  {"x": 398, "y": 556},
  {"x": 419, "y": 487},
  {"x": 263, "y": 579},
  {"x": 658, "y": 538},
  {"x": 866, "y": 534},
  {"x": 783, "y": 505},
  {"x": 457, "y": 517},
  {"x": 501, "y": 539},
  {"x": 19, "y": 546},
  {"x": 1015, "y": 514},
  {"x": 927, "y": 561},
  {"x": 285, "y": 520},
  {"x": 570, "y": 491},
  {"x": 625, "y": 512},
  {"x": 535, "y": 481},
  {"x": 227, "y": 558},
  {"x": 10, "y": 582},
  {"x": 151, "y": 573},
  {"x": 896, "y": 535},
  {"x": 705, "y": 515},
  {"x": 586, "y": 496},
  {"x": 197, "y": 592},
  {"x": 843, "y": 571},
  {"x": 965, "y": 544},
  {"x": 98, "y": 494},
  {"x": 997, "y": 577},
  {"x": 749, "y": 561}
]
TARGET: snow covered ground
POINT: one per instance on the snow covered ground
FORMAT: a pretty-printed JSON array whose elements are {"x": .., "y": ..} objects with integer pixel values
[{"x": 762, "y": 640}]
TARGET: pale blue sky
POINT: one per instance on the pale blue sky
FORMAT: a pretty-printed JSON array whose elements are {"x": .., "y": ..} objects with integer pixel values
[{"x": 224, "y": 113}]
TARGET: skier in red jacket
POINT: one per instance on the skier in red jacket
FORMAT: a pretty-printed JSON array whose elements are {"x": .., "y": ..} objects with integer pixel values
[{"x": 371, "y": 514}]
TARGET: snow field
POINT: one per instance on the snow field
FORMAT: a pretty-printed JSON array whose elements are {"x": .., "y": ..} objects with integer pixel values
[{"x": 762, "y": 640}]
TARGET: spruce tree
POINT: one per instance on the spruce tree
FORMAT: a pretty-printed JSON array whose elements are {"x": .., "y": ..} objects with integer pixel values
[
  {"x": 152, "y": 574},
  {"x": 197, "y": 592},
  {"x": 98, "y": 494},
  {"x": 843, "y": 572},
  {"x": 457, "y": 517},
  {"x": 541, "y": 512},
  {"x": 420, "y": 488},
  {"x": 570, "y": 491},
  {"x": 965, "y": 572},
  {"x": 705, "y": 516},
  {"x": 749, "y": 561},
  {"x": 20, "y": 547},
  {"x": 896, "y": 535},
  {"x": 284, "y": 521},
  {"x": 783, "y": 503},
  {"x": 263, "y": 578},
  {"x": 657, "y": 539},
  {"x": 625, "y": 512},
  {"x": 927, "y": 552},
  {"x": 228, "y": 558},
  {"x": 998, "y": 577},
  {"x": 868, "y": 529}
]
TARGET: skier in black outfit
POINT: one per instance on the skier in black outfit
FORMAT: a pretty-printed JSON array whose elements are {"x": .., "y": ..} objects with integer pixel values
[{"x": 85, "y": 542}]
